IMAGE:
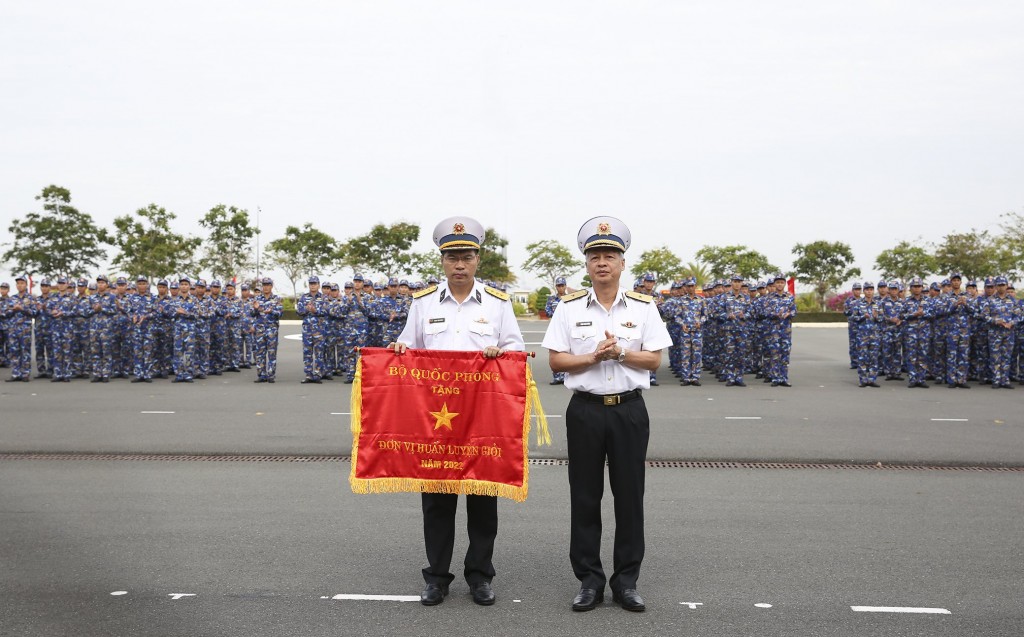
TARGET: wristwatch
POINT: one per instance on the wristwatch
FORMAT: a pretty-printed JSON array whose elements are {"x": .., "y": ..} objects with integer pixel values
[{"x": 622, "y": 355}]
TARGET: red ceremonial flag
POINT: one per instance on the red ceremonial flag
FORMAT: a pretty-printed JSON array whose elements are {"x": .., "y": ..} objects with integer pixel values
[{"x": 443, "y": 422}]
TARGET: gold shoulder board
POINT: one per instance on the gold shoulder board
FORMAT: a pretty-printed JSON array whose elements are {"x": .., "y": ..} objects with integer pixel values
[
  {"x": 578, "y": 294},
  {"x": 643, "y": 298},
  {"x": 497, "y": 293},
  {"x": 425, "y": 291}
]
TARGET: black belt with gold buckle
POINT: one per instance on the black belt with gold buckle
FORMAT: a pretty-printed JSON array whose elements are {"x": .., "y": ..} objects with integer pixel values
[{"x": 609, "y": 399}]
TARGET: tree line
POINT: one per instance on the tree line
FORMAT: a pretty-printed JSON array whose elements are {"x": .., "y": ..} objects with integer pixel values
[{"x": 60, "y": 240}]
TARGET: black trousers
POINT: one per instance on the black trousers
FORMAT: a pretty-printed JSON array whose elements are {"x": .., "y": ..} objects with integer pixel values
[
  {"x": 439, "y": 536},
  {"x": 619, "y": 433}
]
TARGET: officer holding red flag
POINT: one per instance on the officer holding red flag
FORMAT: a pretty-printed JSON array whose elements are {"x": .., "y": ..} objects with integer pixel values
[{"x": 460, "y": 314}]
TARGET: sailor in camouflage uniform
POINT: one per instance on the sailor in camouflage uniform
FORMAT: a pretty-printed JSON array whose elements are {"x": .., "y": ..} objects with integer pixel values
[
  {"x": 915, "y": 313},
  {"x": 184, "y": 312},
  {"x": 558, "y": 378},
  {"x": 1002, "y": 316},
  {"x": 5, "y": 356},
  {"x": 266, "y": 309},
  {"x": 867, "y": 317},
  {"x": 851, "y": 329},
  {"x": 312, "y": 307},
  {"x": 690, "y": 317},
  {"x": 103, "y": 314},
  {"x": 734, "y": 311}
]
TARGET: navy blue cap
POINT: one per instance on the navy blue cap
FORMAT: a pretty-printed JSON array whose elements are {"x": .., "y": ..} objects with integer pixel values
[
  {"x": 162, "y": 282},
  {"x": 392, "y": 281},
  {"x": 229, "y": 284},
  {"x": 378, "y": 286},
  {"x": 404, "y": 282},
  {"x": 101, "y": 277},
  {"x": 357, "y": 277},
  {"x": 857, "y": 286},
  {"x": 1001, "y": 280},
  {"x": 141, "y": 278},
  {"x": 348, "y": 284},
  {"x": 560, "y": 280},
  {"x": 5, "y": 284},
  {"x": 956, "y": 275},
  {"x": 916, "y": 281},
  {"x": 990, "y": 282},
  {"x": 82, "y": 283},
  {"x": 649, "y": 277},
  {"x": 121, "y": 281},
  {"x": 736, "y": 276},
  {"x": 92, "y": 286},
  {"x": 972, "y": 283},
  {"x": 869, "y": 285},
  {"x": 883, "y": 284},
  {"x": 185, "y": 279},
  {"x": 432, "y": 280},
  {"x": 62, "y": 279},
  {"x": 314, "y": 279},
  {"x": 200, "y": 283},
  {"x": 45, "y": 282},
  {"x": 945, "y": 282},
  {"x": 934, "y": 286},
  {"x": 245, "y": 287},
  {"x": 215, "y": 284},
  {"x": 267, "y": 281}
]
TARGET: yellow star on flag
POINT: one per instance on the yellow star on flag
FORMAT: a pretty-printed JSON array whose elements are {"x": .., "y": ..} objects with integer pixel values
[{"x": 444, "y": 417}]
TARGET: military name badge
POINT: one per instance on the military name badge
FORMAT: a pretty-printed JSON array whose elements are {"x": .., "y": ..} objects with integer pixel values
[
  {"x": 584, "y": 323},
  {"x": 437, "y": 320}
]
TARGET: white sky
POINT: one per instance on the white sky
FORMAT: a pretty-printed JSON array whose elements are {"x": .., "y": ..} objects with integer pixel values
[{"x": 700, "y": 122}]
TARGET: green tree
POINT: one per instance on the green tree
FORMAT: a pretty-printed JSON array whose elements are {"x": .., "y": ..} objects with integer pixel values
[
  {"x": 824, "y": 265},
  {"x": 724, "y": 261},
  {"x": 493, "y": 263},
  {"x": 302, "y": 252},
  {"x": 147, "y": 245},
  {"x": 586, "y": 282},
  {"x": 975, "y": 254},
  {"x": 1011, "y": 244},
  {"x": 541, "y": 302},
  {"x": 665, "y": 265},
  {"x": 698, "y": 271},
  {"x": 384, "y": 249},
  {"x": 904, "y": 261},
  {"x": 228, "y": 241},
  {"x": 59, "y": 241},
  {"x": 426, "y": 264},
  {"x": 550, "y": 259}
]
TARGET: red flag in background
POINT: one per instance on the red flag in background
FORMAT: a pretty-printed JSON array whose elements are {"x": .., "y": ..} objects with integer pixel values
[{"x": 443, "y": 422}]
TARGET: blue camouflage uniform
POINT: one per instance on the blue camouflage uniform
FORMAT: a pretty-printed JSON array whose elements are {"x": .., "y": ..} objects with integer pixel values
[
  {"x": 18, "y": 312},
  {"x": 356, "y": 328},
  {"x": 247, "y": 344},
  {"x": 851, "y": 331},
  {"x": 162, "y": 331},
  {"x": 62, "y": 309},
  {"x": 142, "y": 310},
  {"x": 867, "y": 317},
  {"x": 5, "y": 357},
  {"x": 232, "y": 312},
  {"x": 1002, "y": 315},
  {"x": 734, "y": 311},
  {"x": 312, "y": 307},
  {"x": 957, "y": 310},
  {"x": 778, "y": 309},
  {"x": 690, "y": 317},
  {"x": 915, "y": 313},
  {"x": 266, "y": 309},
  {"x": 184, "y": 312},
  {"x": 42, "y": 333},
  {"x": 557, "y": 378},
  {"x": 218, "y": 330},
  {"x": 102, "y": 316}
]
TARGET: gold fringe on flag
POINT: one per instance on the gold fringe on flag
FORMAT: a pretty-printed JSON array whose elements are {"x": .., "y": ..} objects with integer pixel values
[{"x": 467, "y": 487}]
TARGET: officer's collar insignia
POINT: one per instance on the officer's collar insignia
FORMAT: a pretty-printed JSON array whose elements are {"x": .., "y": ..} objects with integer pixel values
[
  {"x": 604, "y": 228},
  {"x": 629, "y": 324},
  {"x": 459, "y": 229},
  {"x": 479, "y": 297}
]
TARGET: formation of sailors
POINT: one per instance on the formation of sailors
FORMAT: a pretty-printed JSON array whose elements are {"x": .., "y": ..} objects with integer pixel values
[
  {"x": 943, "y": 332},
  {"x": 731, "y": 330}
]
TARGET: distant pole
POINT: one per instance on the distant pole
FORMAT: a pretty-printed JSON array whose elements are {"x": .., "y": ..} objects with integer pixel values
[{"x": 257, "y": 242}]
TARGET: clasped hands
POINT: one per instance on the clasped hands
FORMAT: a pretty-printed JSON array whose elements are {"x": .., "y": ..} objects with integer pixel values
[{"x": 608, "y": 349}]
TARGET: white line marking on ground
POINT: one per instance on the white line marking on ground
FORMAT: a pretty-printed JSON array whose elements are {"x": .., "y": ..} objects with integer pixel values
[
  {"x": 118, "y": 593},
  {"x": 899, "y": 609},
  {"x": 341, "y": 413},
  {"x": 156, "y": 412},
  {"x": 294, "y": 337},
  {"x": 180, "y": 595},
  {"x": 692, "y": 605},
  {"x": 517, "y": 601},
  {"x": 743, "y": 418},
  {"x": 762, "y": 605},
  {"x": 538, "y": 343},
  {"x": 949, "y": 420},
  {"x": 379, "y": 598}
]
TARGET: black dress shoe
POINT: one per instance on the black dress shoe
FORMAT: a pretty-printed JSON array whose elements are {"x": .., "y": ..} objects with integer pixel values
[
  {"x": 232, "y": 369},
  {"x": 270, "y": 380},
  {"x": 96, "y": 380},
  {"x": 138, "y": 380},
  {"x": 695, "y": 383},
  {"x": 314, "y": 381},
  {"x": 630, "y": 600},
  {"x": 348, "y": 381},
  {"x": 775, "y": 383},
  {"x": 554, "y": 382},
  {"x": 952, "y": 385},
  {"x": 327, "y": 377},
  {"x": 433, "y": 594},
  {"x": 785, "y": 383},
  {"x": 684, "y": 383},
  {"x": 740, "y": 383},
  {"x": 862, "y": 384},
  {"x": 483, "y": 594},
  {"x": 873, "y": 384},
  {"x": 260, "y": 380},
  {"x": 587, "y": 599},
  {"x": 964, "y": 386},
  {"x": 729, "y": 383}
]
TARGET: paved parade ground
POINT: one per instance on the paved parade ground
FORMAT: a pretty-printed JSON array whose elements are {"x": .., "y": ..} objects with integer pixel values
[{"x": 168, "y": 545}]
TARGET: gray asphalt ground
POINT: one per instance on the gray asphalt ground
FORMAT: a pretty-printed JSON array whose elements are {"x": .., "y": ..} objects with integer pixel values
[
  {"x": 262, "y": 548},
  {"x": 824, "y": 417}
]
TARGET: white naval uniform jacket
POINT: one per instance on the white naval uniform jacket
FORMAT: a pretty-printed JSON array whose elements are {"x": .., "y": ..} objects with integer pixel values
[
  {"x": 579, "y": 325},
  {"x": 437, "y": 321}
]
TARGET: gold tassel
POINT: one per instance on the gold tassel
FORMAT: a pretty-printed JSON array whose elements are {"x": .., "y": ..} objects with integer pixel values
[
  {"x": 533, "y": 400},
  {"x": 356, "y": 407}
]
